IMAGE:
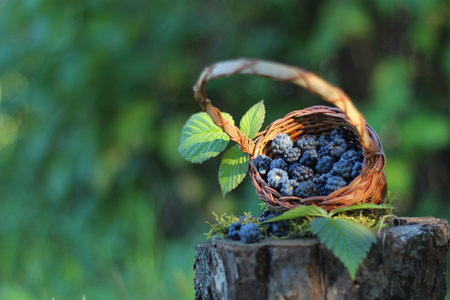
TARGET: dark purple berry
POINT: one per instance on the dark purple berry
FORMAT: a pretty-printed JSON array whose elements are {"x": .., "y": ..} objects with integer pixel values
[
  {"x": 267, "y": 215},
  {"x": 262, "y": 163},
  {"x": 307, "y": 142},
  {"x": 309, "y": 158},
  {"x": 334, "y": 183},
  {"x": 279, "y": 163},
  {"x": 306, "y": 189},
  {"x": 342, "y": 168},
  {"x": 356, "y": 170},
  {"x": 279, "y": 229},
  {"x": 325, "y": 164},
  {"x": 292, "y": 155},
  {"x": 250, "y": 233},
  {"x": 276, "y": 177},
  {"x": 288, "y": 187},
  {"x": 300, "y": 172},
  {"x": 233, "y": 231},
  {"x": 281, "y": 143}
]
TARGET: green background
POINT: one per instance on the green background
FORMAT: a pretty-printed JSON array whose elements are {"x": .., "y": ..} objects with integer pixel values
[{"x": 95, "y": 199}]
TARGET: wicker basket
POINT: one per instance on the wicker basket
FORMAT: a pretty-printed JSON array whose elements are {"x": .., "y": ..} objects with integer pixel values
[{"x": 369, "y": 186}]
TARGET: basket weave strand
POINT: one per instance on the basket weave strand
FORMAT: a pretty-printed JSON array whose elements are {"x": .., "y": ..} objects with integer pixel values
[{"x": 370, "y": 185}]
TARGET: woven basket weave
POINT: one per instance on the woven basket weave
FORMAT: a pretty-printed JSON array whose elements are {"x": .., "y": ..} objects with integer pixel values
[{"x": 369, "y": 186}]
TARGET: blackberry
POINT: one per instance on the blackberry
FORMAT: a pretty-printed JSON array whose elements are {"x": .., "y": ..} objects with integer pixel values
[
  {"x": 356, "y": 170},
  {"x": 281, "y": 143},
  {"x": 267, "y": 215},
  {"x": 300, "y": 172},
  {"x": 306, "y": 189},
  {"x": 250, "y": 233},
  {"x": 325, "y": 164},
  {"x": 262, "y": 163},
  {"x": 288, "y": 187},
  {"x": 334, "y": 183},
  {"x": 325, "y": 150},
  {"x": 342, "y": 168},
  {"x": 323, "y": 140},
  {"x": 276, "y": 177},
  {"x": 307, "y": 142},
  {"x": 278, "y": 229},
  {"x": 292, "y": 155},
  {"x": 320, "y": 182},
  {"x": 279, "y": 163},
  {"x": 233, "y": 231},
  {"x": 338, "y": 147},
  {"x": 338, "y": 133},
  {"x": 309, "y": 158},
  {"x": 350, "y": 155}
]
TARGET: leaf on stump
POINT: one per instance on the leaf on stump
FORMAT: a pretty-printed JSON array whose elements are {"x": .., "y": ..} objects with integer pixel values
[{"x": 349, "y": 241}]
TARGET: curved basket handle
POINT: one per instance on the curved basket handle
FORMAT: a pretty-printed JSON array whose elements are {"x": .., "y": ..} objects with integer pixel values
[{"x": 278, "y": 72}]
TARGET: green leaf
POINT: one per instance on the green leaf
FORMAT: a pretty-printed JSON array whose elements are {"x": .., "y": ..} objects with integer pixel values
[
  {"x": 358, "y": 207},
  {"x": 253, "y": 119},
  {"x": 233, "y": 168},
  {"x": 349, "y": 241},
  {"x": 299, "y": 212},
  {"x": 201, "y": 139}
]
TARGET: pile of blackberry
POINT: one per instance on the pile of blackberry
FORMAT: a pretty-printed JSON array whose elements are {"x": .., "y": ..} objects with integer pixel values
[{"x": 312, "y": 165}]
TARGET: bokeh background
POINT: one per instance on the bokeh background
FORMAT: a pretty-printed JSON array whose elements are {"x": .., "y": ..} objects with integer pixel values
[{"x": 95, "y": 199}]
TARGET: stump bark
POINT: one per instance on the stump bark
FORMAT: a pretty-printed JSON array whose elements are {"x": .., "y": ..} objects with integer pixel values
[{"x": 408, "y": 262}]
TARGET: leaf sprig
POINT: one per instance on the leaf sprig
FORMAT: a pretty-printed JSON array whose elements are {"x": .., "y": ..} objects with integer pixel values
[{"x": 201, "y": 140}]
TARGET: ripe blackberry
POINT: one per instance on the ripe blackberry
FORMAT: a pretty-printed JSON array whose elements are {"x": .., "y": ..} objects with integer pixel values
[
  {"x": 276, "y": 177},
  {"x": 306, "y": 189},
  {"x": 342, "y": 168},
  {"x": 262, "y": 163},
  {"x": 325, "y": 164},
  {"x": 292, "y": 155},
  {"x": 323, "y": 140},
  {"x": 309, "y": 158},
  {"x": 334, "y": 183},
  {"x": 250, "y": 233},
  {"x": 320, "y": 181},
  {"x": 233, "y": 231},
  {"x": 278, "y": 229},
  {"x": 338, "y": 133},
  {"x": 325, "y": 150},
  {"x": 281, "y": 143},
  {"x": 307, "y": 142},
  {"x": 300, "y": 172},
  {"x": 351, "y": 155},
  {"x": 267, "y": 215},
  {"x": 356, "y": 170},
  {"x": 279, "y": 163},
  {"x": 338, "y": 147},
  {"x": 288, "y": 187}
]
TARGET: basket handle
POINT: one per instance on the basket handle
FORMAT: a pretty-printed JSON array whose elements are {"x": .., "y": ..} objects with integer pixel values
[{"x": 278, "y": 72}]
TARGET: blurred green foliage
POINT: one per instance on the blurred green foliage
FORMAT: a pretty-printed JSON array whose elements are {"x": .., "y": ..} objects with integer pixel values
[{"x": 95, "y": 199}]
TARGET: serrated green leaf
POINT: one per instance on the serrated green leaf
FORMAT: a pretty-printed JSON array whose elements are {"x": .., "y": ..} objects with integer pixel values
[
  {"x": 358, "y": 207},
  {"x": 233, "y": 168},
  {"x": 253, "y": 119},
  {"x": 299, "y": 212},
  {"x": 201, "y": 139},
  {"x": 349, "y": 241}
]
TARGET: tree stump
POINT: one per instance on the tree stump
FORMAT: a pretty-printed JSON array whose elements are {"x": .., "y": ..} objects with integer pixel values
[{"x": 408, "y": 262}]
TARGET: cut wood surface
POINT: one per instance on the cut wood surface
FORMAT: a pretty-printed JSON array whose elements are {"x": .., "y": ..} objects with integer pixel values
[{"x": 408, "y": 262}]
